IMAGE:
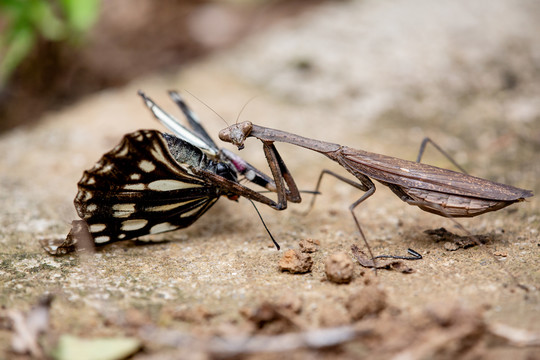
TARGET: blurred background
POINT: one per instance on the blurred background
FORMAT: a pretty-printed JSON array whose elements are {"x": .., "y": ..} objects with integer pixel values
[
  {"x": 374, "y": 73},
  {"x": 54, "y": 52}
]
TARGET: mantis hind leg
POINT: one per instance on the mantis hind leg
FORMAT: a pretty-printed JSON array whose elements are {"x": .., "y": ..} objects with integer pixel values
[
  {"x": 353, "y": 183},
  {"x": 446, "y": 155},
  {"x": 366, "y": 185}
]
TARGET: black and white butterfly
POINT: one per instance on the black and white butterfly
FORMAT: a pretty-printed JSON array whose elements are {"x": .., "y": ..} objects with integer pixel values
[{"x": 154, "y": 182}]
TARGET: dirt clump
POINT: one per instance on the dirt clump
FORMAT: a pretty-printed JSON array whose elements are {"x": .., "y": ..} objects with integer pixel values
[
  {"x": 309, "y": 245},
  {"x": 369, "y": 300},
  {"x": 295, "y": 262},
  {"x": 274, "y": 318},
  {"x": 339, "y": 268}
]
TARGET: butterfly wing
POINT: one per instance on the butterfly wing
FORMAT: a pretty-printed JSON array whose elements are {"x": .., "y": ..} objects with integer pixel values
[
  {"x": 193, "y": 120},
  {"x": 139, "y": 188}
]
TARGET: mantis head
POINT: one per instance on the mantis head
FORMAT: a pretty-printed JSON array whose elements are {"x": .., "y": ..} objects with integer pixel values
[{"x": 236, "y": 134}]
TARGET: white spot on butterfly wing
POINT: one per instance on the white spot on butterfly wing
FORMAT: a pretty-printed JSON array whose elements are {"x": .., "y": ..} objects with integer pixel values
[
  {"x": 97, "y": 227},
  {"x": 159, "y": 228},
  {"x": 106, "y": 168},
  {"x": 168, "y": 184},
  {"x": 121, "y": 150},
  {"x": 147, "y": 166},
  {"x": 123, "y": 210},
  {"x": 97, "y": 166},
  {"x": 124, "y": 207},
  {"x": 135, "y": 176},
  {"x": 138, "y": 186},
  {"x": 102, "y": 239},
  {"x": 135, "y": 224}
]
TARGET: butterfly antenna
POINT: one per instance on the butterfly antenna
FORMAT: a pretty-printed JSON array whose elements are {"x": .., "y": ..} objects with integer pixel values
[
  {"x": 208, "y": 106},
  {"x": 264, "y": 224}
]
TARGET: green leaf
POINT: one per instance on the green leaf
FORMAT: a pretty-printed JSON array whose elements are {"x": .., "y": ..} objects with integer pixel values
[
  {"x": 49, "y": 25},
  {"x": 14, "y": 47},
  {"x": 80, "y": 14}
]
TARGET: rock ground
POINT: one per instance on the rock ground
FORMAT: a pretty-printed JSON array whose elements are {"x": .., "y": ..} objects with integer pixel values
[{"x": 376, "y": 75}]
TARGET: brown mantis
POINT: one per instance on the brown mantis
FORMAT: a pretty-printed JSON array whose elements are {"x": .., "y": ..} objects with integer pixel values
[{"x": 439, "y": 191}]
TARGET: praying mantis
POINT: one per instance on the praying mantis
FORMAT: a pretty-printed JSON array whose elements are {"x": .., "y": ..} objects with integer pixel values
[{"x": 436, "y": 190}]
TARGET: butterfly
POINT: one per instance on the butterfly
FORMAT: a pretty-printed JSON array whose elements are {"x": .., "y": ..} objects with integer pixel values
[{"x": 153, "y": 182}]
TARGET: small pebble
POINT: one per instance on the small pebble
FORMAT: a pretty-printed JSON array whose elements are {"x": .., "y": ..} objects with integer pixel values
[
  {"x": 295, "y": 262},
  {"x": 309, "y": 245},
  {"x": 339, "y": 268}
]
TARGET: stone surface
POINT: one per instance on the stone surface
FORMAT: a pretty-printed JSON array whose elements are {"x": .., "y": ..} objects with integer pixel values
[{"x": 375, "y": 75}]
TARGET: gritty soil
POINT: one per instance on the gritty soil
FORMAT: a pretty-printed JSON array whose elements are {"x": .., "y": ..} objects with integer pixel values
[{"x": 216, "y": 288}]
